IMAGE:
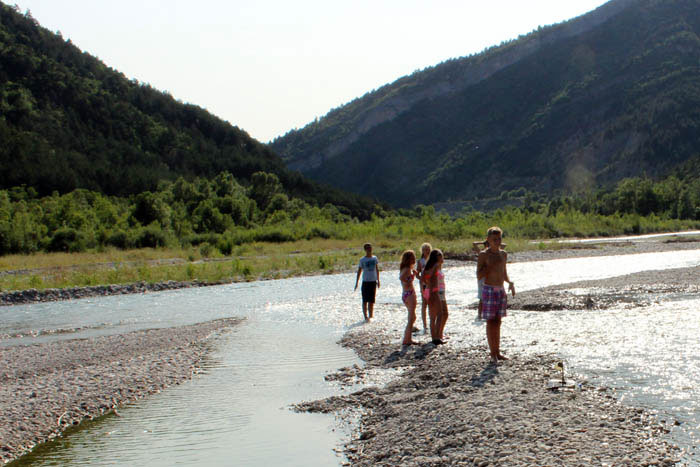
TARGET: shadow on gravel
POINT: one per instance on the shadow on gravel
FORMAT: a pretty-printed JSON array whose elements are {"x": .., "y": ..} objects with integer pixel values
[
  {"x": 486, "y": 375},
  {"x": 418, "y": 353}
]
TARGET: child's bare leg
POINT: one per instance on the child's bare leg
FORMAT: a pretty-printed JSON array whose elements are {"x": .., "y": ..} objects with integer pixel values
[
  {"x": 433, "y": 311},
  {"x": 443, "y": 319},
  {"x": 423, "y": 313},
  {"x": 499, "y": 354},
  {"x": 411, "y": 306},
  {"x": 493, "y": 336},
  {"x": 364, "y": 311},
  {"x": 371, "y": 310}
]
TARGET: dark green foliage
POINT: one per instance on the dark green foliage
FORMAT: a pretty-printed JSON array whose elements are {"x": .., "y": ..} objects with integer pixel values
[
  {"x": 68, "y": 121},
  {"x": 83, "y": 220},
  {"x": 151, "y": 236},
  {"x": 67, "y": 239},
  {"x": 571, "y": 108}
]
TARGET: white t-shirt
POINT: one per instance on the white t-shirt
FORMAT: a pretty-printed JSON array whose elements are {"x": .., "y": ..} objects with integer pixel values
[{"x": 369, "y": 268}]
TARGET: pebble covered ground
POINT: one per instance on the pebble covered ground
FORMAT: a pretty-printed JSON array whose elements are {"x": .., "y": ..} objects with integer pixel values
[
  {"x": 20, "y": 297},
  {"x": 450, "y": 406},
  {"x": 632, "y": 290},
  {"x": 46, "y": 388}
]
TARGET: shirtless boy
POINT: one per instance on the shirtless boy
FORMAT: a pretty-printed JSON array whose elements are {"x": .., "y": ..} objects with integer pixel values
[{"x": 491, "y": 266}]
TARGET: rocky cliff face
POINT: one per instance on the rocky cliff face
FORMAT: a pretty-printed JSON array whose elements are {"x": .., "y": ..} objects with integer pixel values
[
  {"x": 387, "y": 103},
  {"x": 608, "y": 95}
]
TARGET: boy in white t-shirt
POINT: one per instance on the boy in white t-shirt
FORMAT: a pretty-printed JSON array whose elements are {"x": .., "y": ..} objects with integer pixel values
[{"x": 369, "y": 267}]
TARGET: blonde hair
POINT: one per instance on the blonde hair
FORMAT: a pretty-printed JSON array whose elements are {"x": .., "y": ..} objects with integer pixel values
[
  {"x": 407, "y": 259},
  {"x": 494, "y": 230},
  {"x": 424, "y": 246}
]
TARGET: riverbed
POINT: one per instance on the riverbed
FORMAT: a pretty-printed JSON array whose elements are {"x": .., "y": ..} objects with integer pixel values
[{"x": 238, "y": 410}]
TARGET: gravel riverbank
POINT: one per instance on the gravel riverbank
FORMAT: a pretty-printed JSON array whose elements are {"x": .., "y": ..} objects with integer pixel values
[
  {"x": 632, "y": 290},
  {"x": 449, "y": 406},
  {"x": 46, "y": 388},
  {"x": 21, "y": 297}
]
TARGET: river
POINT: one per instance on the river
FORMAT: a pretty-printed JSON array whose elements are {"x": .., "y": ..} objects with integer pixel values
[{"x": 237, "y": 412}]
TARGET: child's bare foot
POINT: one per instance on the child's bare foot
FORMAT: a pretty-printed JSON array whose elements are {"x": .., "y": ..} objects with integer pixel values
[
  {"x": 494, "y": 360},
  {"x": 502, "y": 357},
  {"x": 410, "y": 343}
]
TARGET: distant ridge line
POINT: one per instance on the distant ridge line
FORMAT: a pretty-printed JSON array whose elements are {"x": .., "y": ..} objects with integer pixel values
[{"x": 483, "y": 68}]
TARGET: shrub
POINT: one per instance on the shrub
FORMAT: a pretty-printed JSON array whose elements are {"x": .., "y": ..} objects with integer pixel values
[
  {"x": 118, "y": 239},
  {"x": 67, "y": 239},
  {"x": 151, "y": 236},
  {"x": 317, "y": 232},
  {"x": 205, "y": 249},
  {"x": 275, "y": 235}
]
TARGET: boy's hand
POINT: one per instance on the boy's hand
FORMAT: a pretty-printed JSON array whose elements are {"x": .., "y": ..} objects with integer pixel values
[
  {"x": 511, "y": 288},
  {"x": 378, "y": 283}
]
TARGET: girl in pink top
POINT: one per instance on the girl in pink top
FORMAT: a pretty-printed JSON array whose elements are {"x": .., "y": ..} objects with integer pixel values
[{"x": 434, "y": 293}]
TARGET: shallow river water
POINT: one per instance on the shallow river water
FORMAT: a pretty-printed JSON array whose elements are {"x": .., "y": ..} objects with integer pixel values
[{"x": 237, "y": 412}]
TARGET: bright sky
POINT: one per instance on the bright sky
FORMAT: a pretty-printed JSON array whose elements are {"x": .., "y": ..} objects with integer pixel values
[{"x": 269, "y": 66}]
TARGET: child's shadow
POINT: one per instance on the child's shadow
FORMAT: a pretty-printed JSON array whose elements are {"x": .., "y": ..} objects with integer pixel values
[
  {"x": 357, "y": 324},
  {"x": 415, "y": 352},
  {"x": 487, "y": 374}
]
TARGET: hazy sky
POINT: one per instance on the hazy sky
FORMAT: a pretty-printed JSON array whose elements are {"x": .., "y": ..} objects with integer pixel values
[{"x": 268, "y": 66}]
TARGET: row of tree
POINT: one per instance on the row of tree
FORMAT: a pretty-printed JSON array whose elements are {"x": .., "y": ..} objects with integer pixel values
[
  {"x": 223, "y": 212},
  {"x": 177, "y": 213}
]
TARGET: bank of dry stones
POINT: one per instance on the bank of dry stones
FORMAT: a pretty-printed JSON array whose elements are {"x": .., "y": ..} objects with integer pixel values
[
  {"x": 48, "y": 387},
  {"x": 21, "y": 297},
  {"x": 453, "y": 408}
]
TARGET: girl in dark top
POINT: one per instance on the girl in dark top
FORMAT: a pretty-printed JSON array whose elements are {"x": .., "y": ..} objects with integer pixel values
[{"x": 406, "y": 275}]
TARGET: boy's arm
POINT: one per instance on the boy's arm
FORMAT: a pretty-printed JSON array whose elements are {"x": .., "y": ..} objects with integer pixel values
[
  {"x": 481, "y": 266},
  {"x": 357, "y": 279},
  {"x": 511, "y": 285},
  {"x": 377, "y": 273}
]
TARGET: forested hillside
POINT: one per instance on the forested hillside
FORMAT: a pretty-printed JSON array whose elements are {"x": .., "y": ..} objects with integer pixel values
[
  {"x": 69, "y": 121},
  {"x": 566, "y": 109}
]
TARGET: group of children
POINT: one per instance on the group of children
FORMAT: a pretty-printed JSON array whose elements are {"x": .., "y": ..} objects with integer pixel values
[{"x": 491, "y": 275}]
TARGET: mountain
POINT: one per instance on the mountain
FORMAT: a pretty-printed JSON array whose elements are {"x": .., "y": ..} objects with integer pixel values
[
  {"x": 69, "y": 121},
  {"x": 579, "y": 105}
]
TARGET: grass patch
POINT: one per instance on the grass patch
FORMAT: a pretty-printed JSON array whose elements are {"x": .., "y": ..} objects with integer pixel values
[{"x": 247, "y": 262}]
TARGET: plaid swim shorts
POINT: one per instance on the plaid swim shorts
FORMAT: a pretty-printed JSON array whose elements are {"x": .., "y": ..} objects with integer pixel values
[{"x": 494, "y": 302}]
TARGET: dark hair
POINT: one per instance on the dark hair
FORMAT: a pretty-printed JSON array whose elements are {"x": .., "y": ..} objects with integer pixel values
[
  {"x": 407, "y": 258},
  {"x": 366, "y": 246},
  {"x": 432, "y": 259}
]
